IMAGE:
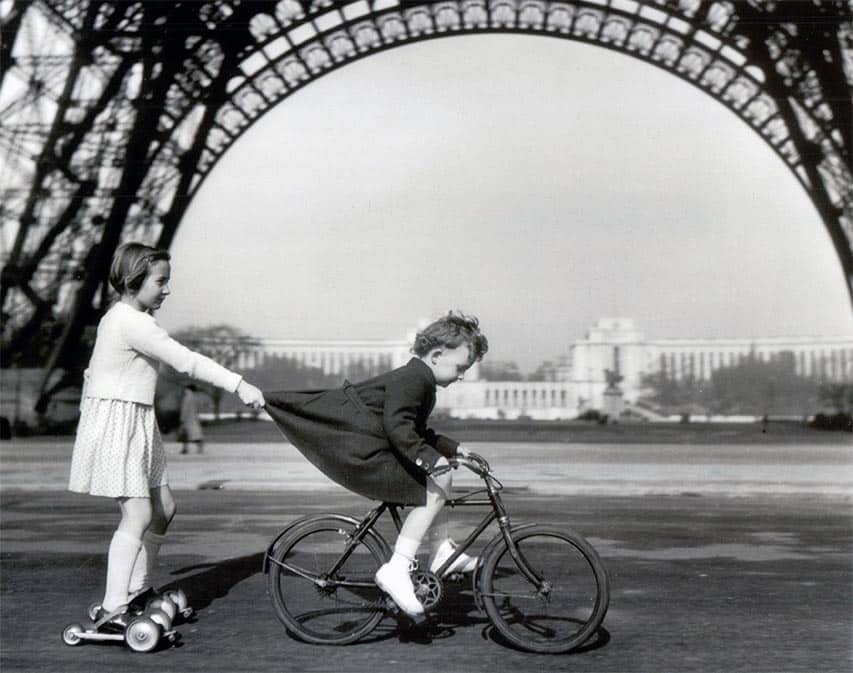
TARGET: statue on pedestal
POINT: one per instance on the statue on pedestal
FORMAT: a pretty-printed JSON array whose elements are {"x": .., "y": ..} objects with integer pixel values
[
  {"x": 613, "y": 377},
  {"x": 613, "y": 402}
]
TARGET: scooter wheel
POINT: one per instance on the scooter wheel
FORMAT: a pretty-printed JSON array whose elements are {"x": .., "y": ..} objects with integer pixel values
[
  {"x": 161, "y": 617},
  {"x": 142, "y": 635},
  {"x": 92, "y": 612},
  {"x": 71, "y": 634},
  {"x": 164, "y": 604},
  {"x": 179, "y": 598}
]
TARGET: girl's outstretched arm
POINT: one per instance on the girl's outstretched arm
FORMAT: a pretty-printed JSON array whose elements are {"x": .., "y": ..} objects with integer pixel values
[{"x": 147, "y": 337}]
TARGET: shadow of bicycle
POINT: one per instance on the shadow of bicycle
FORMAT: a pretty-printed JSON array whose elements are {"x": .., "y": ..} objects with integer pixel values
[{"x": 457, "y": 609}]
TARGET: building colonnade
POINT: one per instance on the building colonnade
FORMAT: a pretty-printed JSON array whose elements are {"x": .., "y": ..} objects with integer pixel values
[{"x": 612, "y": 350}]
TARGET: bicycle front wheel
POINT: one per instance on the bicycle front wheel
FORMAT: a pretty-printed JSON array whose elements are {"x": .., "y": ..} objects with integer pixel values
[
  {"x": 558, "y": 608},
  {"x": 321, "y": 583}
]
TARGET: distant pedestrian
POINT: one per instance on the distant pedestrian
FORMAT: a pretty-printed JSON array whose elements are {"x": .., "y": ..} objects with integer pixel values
[
  {"x": 190, "y": 429},
  {"x": 118, "y": 452},
  {"x": 372, "y": 437}
]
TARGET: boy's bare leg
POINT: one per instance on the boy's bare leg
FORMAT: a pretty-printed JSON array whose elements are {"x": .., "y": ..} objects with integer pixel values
[{"x": 393, "y": 577}]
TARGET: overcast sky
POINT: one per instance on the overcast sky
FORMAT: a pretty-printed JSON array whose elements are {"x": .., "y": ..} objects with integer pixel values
[{"x": 537, "y": 183}]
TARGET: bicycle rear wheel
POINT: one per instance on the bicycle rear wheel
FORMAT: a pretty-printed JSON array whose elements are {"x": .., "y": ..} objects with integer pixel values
[
  {"x": 563, "y": 608},
  {"x": 315, "y": 603}
]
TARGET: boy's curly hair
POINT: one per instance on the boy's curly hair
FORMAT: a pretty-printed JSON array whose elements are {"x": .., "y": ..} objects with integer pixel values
[{"x": 450, "y": 331}]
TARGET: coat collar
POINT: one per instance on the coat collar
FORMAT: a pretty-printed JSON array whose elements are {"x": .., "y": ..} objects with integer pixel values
[{"x": 422, "y": 368}]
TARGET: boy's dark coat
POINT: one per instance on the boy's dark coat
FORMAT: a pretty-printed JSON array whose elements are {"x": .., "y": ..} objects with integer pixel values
[{"x": 370, "y": 437}]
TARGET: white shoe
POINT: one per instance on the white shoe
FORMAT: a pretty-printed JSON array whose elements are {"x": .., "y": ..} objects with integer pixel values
[
  {"x": 394, "y": 580},
  {"x": 463, "y": 564}
]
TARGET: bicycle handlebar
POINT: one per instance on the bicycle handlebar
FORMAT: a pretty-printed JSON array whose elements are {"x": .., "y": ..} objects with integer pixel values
[
  {"x": 473, "y": 461},
  {"x": 476, "y": 463}
]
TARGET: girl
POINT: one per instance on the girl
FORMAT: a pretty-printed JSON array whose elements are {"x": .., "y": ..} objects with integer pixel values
[
  {"x": 372, "y": 437},
  {"x": 118, "y": 452}
]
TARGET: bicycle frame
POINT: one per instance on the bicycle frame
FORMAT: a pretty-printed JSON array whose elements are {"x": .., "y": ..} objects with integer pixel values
[{"x": 497, "y": 513}]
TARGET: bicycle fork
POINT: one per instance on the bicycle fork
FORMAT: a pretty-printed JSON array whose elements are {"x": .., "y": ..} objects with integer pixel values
[{"x": 543, "y": 587}]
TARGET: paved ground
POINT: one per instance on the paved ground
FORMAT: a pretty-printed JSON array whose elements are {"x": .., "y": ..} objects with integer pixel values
[
  {"x": 698, "y": 584},
  {"x": 733, "y": 578},
  {"x": 543, "y": 467}
]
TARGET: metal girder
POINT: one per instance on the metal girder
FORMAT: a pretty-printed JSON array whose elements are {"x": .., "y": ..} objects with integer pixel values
[{"x": 112, "y": 113}]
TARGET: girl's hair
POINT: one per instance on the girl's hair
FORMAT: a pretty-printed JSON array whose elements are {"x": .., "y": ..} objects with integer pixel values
[
  {"x": 451, "y": 331},
  {"x": 130, "y": 265}
]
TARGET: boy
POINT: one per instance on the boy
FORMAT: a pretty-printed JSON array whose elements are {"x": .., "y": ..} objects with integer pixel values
[{"x": 372, "y": 438}]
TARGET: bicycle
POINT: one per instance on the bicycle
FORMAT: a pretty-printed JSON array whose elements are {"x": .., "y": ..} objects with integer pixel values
[{"x": 543, "y": 588}]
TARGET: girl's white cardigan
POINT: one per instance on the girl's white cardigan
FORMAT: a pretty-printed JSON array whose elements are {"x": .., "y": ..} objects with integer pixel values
[{"x": 128, "y": 349}]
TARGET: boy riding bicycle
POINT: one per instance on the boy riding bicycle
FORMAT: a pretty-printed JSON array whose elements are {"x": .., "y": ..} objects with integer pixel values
[{"x": 372, "y": 437}]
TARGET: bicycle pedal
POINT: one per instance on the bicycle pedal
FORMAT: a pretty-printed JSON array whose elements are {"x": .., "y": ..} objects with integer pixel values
[
  {"x": 394, "y": 609},
  {"x": 404, "y": 617},
  {"x": 409, "y": 622}
]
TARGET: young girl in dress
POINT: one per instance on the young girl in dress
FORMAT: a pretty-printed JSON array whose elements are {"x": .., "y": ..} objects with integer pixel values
[
  {"x": 372, "y": 437},
  {"x": 118, "y": 451}
]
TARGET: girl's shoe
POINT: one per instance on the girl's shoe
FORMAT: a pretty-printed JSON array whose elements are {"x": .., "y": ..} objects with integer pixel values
[
  {"x": 115, "y": 621},
  {"x": 463, "y": 564},
  {"x": 395, "y": 581},
  {"x": 140, "y": 601}
]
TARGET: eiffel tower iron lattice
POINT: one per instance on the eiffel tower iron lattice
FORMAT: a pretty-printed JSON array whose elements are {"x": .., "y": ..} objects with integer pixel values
[{"x": 113, "y": 112}]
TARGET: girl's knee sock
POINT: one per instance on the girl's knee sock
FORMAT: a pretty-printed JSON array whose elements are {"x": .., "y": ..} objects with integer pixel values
[
  {"x": 124, "y": 548},
  {"x": 145, "y": 567}
]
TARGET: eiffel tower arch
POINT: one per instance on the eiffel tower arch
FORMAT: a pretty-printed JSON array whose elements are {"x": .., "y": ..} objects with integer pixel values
[{"x": 113, "y": 112}]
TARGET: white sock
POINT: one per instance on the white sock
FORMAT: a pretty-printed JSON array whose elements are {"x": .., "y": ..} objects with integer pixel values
[
  {"x": 405, "y": 550},
  {"x": 145, "y": 567},
  {"x": 124, "y": 548},
  {"x": 436, "y": 543},
  {"x": 439, "y": 531}
]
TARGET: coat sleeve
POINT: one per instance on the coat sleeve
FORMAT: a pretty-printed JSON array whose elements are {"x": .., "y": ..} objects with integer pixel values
[
  {"x": 147, "y": 337},
  {"x": 404, "y": 397},
  {"x": 441, "y": 443}
]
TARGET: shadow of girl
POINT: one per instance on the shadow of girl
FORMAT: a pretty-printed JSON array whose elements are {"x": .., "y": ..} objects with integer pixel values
[{"x": 214, "y": 580}]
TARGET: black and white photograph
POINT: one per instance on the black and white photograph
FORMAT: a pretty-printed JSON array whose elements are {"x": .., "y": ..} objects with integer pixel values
[{"x": 368, "y": 336}]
